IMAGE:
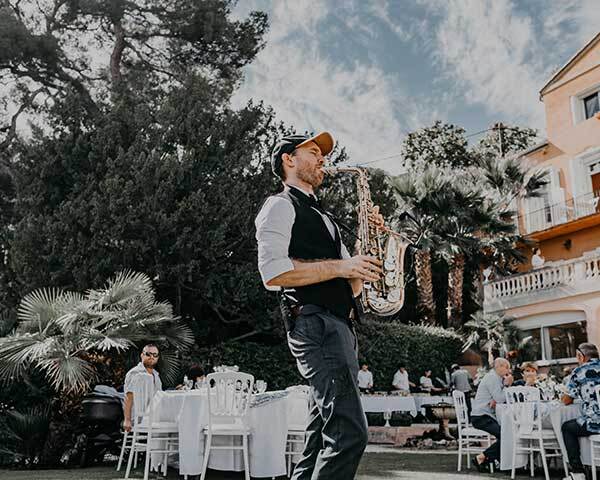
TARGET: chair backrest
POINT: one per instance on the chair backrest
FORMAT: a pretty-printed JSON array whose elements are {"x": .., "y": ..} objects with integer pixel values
[
  {"x": 229, "y": 395},
  {"x": 521, "y": 394},
  {"x": 525, "y": 407},
  {"x": 460, "y": 406},
  {"x": 143, "y": 393}
]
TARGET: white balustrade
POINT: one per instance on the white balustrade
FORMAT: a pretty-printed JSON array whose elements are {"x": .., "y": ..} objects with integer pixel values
[{"x": 579, "y": 273}]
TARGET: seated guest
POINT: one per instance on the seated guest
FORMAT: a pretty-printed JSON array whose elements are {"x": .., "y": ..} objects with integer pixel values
[
  {"x": 195, "y": 374},
  {"x": 581, "y": 386},
  {"x": 142, "y": 379},
  {"x": 401, "y": 381},
  {"x": 365, "y": 379},
  {"x": 460, "y": 380},
  {"x": 427, "y": 384},
  {"x": 530, "y": 375},
  {"x": 490, "y": 392}
]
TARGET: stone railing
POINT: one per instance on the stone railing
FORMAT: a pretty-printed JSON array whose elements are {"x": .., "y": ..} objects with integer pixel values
[{"x": 567, "y": 278}]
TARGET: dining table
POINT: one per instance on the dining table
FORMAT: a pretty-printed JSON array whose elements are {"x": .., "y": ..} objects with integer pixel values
[
  {"x": 269, "y": 417},
  {"x": 554, "y": 414}
]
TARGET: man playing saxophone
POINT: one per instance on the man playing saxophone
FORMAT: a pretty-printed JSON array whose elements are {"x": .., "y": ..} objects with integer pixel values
[{"x": 301, "y": 255}]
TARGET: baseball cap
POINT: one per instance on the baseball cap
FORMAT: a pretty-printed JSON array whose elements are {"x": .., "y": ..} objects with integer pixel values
[{"x": 289, "y": 143}]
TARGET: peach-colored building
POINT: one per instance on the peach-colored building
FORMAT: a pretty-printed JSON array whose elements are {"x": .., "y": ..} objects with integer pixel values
[{"x": 558, "y": 302}]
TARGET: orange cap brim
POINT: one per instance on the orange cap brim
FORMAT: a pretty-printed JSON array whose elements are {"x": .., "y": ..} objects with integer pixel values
[{"x": 324, "y": 141}]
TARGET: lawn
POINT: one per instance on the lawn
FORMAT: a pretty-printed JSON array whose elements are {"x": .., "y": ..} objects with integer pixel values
[{"x": 378, "y": 464}]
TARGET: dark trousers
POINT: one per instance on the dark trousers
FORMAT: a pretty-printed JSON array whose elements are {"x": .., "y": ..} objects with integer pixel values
[
  {"x": 571, "y": 431},
  {"x": 336, "y": 435},
  {"x": 491, "y": 426}
]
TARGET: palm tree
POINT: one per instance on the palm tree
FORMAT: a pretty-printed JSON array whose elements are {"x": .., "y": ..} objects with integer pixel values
[
  {"x": 489, "y": 332},
  {"x": 63, "y": 334},
  {"x": 482, "y": 223},
  {"x": 422, "y": 194}
]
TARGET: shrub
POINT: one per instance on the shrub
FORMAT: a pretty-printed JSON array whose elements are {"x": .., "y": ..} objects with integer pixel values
[{"x": 383, "y": 345}]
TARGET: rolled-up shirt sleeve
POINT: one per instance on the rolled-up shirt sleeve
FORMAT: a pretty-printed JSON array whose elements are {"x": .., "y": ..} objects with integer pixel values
[{"x": 274, "y": 225}]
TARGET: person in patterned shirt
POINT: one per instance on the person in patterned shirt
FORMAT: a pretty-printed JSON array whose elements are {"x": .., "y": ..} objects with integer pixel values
[{"x": 582, "y": 386}]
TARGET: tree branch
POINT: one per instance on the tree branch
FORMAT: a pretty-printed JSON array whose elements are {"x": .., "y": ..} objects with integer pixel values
[{"x": 11, "y": 130}]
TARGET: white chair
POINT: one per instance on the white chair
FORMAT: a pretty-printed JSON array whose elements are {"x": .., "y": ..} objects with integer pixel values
[
  {"x": 525, "y": 409},
  {"x": 229, "y": 395},
  {"x": 469, "y": 438},
  {"x": 299, "y": 396},
  {"x": 153, "y": 437},
  {"x": 142, "y": 397},
  {"x": 595, "y": 442}
]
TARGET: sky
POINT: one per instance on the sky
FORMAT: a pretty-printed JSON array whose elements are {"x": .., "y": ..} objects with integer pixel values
[{"x": 370, "y": 71}]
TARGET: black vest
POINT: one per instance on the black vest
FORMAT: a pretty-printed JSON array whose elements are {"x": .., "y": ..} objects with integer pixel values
[{"x": 311, "y": 240}]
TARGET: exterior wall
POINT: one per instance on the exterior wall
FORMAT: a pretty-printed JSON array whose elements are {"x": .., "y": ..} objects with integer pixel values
[
  {"x": 589, "y": 304},
  {"x": 569, "y": 138},
  {"x": 554, "y": 249},
  {"x": 565, "y": 285}
]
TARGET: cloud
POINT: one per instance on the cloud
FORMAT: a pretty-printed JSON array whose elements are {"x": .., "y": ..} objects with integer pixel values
[
  {"x": 357, "y": 101},
  {"x": 499, "y": 54},
  {"x": 492, "y": 54}
]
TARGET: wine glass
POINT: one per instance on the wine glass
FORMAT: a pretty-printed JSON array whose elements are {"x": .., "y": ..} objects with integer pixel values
[{"x": 261, "y": 386}]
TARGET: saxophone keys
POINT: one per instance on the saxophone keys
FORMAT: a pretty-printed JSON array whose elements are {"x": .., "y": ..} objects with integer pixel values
[
  {"x": 394, "y": 295},
  {"x": 390, "y": 265},
  {"x": 390, "y": 279}
]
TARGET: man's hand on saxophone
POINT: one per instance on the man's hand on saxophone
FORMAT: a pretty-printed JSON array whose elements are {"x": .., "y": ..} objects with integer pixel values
[{"x": 362, "y": 267}]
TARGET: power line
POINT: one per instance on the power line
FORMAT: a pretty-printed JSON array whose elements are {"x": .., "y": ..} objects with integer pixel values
[{"x": 399, "y": 154}]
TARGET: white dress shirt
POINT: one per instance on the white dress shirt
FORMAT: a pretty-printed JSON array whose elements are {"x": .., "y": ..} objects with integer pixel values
[
  {"x": 365, "y": 379},
  {"x": 274, "y": 225},
  {"x": 400, "y": 381}
]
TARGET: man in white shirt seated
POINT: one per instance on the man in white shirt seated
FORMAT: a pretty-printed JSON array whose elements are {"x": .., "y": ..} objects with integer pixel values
[
  {"x": 401, "y": 381},
  {"x": 365, "y": 379},
  {"x": 143, "y": 380}
]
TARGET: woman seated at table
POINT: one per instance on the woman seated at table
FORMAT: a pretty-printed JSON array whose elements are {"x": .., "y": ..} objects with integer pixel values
[
  {"x": 195, "y": 374},
  {"x": 529, "y": 371}
]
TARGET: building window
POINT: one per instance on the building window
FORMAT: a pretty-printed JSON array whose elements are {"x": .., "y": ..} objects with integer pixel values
[
  {"x": 592, "y": 105},
  {"x": 556, "y": 342}
]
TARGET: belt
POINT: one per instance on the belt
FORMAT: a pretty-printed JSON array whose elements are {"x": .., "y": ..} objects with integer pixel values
[{"x": 311, "y": 309}]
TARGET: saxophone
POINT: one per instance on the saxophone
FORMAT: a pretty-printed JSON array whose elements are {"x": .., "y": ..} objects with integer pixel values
[{"x": 386, "y": 296}]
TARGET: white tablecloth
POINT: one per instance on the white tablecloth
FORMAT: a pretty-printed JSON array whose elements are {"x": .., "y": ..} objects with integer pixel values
[
  {"x": 554, "y": 416},
  {"x": 268, "y": 424},
  {"x": 383, "y": 403}
]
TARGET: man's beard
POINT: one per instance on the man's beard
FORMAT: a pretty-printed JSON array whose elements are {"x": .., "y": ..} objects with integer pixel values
[
  {"x": 149, "y": 364},
  {"x": 312, "y": 176}
]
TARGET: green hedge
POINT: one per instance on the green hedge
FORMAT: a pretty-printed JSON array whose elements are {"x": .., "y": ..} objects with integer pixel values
[
  {"x": 381, "y": 344},
  {"x": 272, "y": 363}
]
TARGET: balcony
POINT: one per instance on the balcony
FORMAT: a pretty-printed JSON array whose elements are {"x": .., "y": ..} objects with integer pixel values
[
  {"x": 567, "y": 278},
  {"x": 563, "y": 217}
]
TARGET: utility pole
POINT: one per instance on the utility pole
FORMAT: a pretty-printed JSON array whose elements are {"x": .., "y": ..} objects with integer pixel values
[{"x": 500, "y": 127}]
